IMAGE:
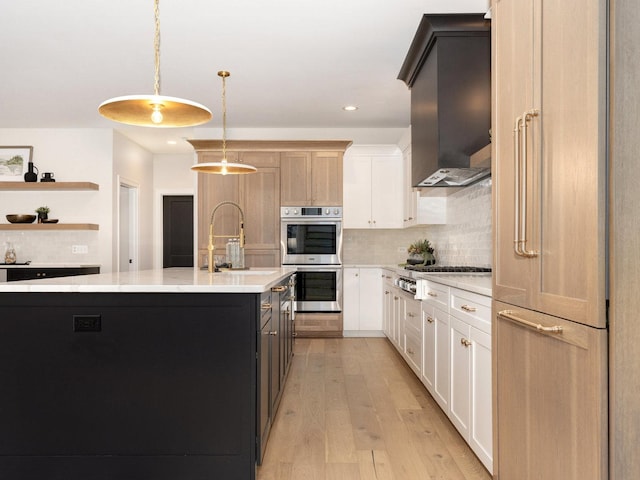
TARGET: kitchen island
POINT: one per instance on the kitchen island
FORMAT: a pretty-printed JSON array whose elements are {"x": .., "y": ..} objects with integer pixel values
[{"x": 140, "y": 375}]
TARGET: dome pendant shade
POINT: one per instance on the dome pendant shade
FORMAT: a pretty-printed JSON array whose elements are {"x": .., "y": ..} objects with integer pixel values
[
  {"x": 223, "y": 168},
  {"x": 142, "y": 110},
  {"x": 155, "y": 110}
]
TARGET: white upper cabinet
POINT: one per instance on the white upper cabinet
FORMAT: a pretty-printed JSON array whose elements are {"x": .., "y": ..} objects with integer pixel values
[{"x": 373, "y": 187}]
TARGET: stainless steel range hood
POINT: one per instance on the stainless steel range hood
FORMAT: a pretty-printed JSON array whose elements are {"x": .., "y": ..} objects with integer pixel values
[
  {"x": 479, "y": 167},
  {"x": 448, "y": 69}
]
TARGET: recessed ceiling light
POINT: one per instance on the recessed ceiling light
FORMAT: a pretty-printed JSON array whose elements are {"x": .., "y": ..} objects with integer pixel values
[
  {"x": 350, "y": 108},
  {"x": 172, "y": 142}
]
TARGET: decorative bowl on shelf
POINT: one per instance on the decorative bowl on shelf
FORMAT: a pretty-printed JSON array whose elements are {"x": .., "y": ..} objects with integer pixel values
[
  {"x": 17, "y": 218},
  {"x": 50, "y": 220}
]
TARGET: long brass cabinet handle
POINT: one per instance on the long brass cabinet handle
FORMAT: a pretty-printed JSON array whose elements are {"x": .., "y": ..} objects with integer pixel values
[
  {"x": 520, "y": 136},
  {"x": 526, "y": 118},
  {"x": 431, "y": 294},
  {"x": 516, "y": 186},
  {"x": 279, "y": 288},
  {"x": 265, "y": 306},
  {"x": 509, "y": 315},
  {"x": 467, "y": 308}
]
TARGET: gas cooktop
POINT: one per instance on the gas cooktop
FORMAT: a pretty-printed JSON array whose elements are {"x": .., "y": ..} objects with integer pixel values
[{"x": 447, "y": 269}]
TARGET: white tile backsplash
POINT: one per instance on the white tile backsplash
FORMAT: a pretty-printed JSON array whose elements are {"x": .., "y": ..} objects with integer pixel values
[
  {"x": 465, "y": 239},
  {"x": 51, "y": 247}
]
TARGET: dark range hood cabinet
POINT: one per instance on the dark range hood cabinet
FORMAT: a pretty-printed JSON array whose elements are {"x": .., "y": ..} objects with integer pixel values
[{"x": 448, "y": 69}]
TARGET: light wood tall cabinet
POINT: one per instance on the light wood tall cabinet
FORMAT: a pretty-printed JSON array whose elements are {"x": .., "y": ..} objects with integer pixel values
[
  {"x": 286, "y": 170},
  {"x": 312, "y": 177},
  {"x": 549, "y": 157},
  {"x": 258, "y": 195},
  {"x": 550, "y": 85}
]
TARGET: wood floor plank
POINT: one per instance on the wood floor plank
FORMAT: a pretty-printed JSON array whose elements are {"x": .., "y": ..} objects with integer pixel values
[
  {"x": 353, "y": 410},
  {"x": 340, "y": 444},
  {"x": 367, "y": 431},
  {"x": 375, "y": 464},
  {"x": 343, "y": 471}
]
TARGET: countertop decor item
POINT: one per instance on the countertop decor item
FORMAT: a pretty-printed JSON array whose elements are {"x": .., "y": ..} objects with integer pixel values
[
  {"x": 421, "y": 253},
  {"x": 223, "y": 167},
  {"x": 20, "y": 218},
  {"x": 43, "y": 213},
  {"x": 10, "y": 254},
  {"x": 14, "y": 162},
  {"x": 31, "y": 176},
  {"x": 155, "y": 110}
]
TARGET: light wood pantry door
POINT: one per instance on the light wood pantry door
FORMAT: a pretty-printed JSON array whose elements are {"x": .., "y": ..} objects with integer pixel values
[
  {"x": 570, "y": 187},
  {"x": 549, "y": 156},
  {"x": 551, "y": 399},
  {"x": 512, "y": 30}
]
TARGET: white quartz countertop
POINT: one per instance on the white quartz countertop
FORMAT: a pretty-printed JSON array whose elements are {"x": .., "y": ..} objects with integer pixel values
[
  {"x": 479, "y": 283},
  {"x": 51, "y": 265},
  {"x": 168, "y": 280}
]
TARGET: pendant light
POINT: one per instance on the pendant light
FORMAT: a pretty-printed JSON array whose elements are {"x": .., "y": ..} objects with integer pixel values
[
  {"x": 223, "y": 167},
  {"x": 155, "y": 110}
]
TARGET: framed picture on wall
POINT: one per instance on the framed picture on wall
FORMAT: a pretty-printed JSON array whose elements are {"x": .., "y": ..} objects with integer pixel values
[{"x": 14, "y": 162}]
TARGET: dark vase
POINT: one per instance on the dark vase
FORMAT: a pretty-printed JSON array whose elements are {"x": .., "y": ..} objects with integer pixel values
[
  {"x": 42, "y": 216},
  {"x": 31, "y": 176}
]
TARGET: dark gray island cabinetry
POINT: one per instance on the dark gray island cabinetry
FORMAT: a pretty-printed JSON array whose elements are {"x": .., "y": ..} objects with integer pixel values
[{"x": 130, "y": 384}]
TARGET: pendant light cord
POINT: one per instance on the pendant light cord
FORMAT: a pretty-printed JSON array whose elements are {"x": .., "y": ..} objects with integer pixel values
[
  {"x": 156, "y": 47},
  {"x": 224, "y": 76}
]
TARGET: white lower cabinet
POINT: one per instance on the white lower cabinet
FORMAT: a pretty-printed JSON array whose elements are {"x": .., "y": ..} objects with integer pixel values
[
  {"x": 435, "y": 345},
  {"x": 446, "y": 340},
  {"x": 363, "y": 307},
  {"x": 470, "y": 405}
]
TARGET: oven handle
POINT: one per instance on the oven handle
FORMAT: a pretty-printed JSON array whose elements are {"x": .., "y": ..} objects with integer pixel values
[{"x": 316, "y": 267}]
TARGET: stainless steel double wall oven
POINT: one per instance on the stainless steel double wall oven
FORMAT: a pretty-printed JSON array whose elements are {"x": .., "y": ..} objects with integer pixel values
[{"x": 311, "y": 239}]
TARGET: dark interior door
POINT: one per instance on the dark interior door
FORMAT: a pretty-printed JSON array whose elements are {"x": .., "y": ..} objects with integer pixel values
[{"x": 177, "y": 231}]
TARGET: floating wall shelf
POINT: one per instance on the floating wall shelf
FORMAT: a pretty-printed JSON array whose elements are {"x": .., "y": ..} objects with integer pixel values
[
  {"x": 49, "y": 226},
  {"x": 48, "y": 186}
]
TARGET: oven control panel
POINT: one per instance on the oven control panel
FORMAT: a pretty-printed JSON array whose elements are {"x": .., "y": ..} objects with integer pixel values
[{"x": 311, "y": 212}]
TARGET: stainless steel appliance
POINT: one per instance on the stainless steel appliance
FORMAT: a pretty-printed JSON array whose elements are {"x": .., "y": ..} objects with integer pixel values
[
  {"x": 318, "y": 288},
  {"x": 311, "y": 235},
  {"x": 406, "y": 284}
]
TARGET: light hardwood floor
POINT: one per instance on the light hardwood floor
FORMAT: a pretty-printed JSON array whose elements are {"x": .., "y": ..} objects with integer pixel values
[{"x": 353, "y": 410}]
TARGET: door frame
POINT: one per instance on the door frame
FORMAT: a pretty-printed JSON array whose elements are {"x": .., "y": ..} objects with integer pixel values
[{"x": 134, "y": 226}]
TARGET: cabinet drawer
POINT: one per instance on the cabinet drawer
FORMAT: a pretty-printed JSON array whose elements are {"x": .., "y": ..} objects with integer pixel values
[
  {"x": 435, "y": 294},
  {"x": 413, "y": 350},
  {"x": 413, "y": 315},
  {"x": 472, "y": 308}
]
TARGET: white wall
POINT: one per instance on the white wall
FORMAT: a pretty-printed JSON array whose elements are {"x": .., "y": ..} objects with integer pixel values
[
  {"x": 133, "y": 165},
  {"x": 83, "y": 155}
]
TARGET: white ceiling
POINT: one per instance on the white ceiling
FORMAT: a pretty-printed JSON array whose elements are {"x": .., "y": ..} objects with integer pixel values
[{"x": 293, "y": 63}]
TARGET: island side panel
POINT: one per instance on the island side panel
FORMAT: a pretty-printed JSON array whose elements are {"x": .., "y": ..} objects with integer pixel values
[{"x": 108, "y": 385}]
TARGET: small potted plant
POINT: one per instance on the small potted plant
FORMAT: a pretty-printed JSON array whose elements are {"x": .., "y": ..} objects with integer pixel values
[
  {"x": 421, "y": 252},
  {"x": 43, "y": 213}
]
